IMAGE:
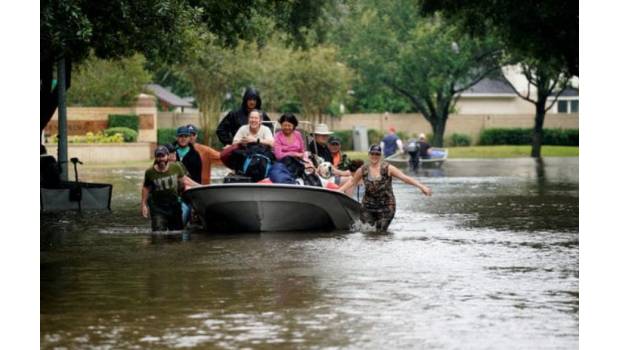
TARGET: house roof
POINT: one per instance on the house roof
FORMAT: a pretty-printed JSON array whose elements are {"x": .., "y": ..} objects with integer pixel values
[
  {"x": 570, "y": 92},
  {"x": 167, "y": 96},
  {"x": 488, "y": 86}
]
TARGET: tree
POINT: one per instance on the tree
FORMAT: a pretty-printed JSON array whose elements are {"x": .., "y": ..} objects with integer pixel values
[
  {"x": 546, "y": 30},
  {"x": 427, "y": 61},
  {"x": 115, "y": 82},
  {"x": 213, "y": 70},
  {"x": 548, "y": 83},
  {"x": 70, "y": 29},
  {"x": 316, "y": 78}
]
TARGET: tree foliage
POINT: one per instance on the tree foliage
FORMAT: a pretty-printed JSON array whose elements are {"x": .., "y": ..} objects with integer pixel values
[
  {"x": 159, "y": 29},
  {"x": 316, "y": 79},
  {"x": 305, "y": 81},
  {"x": 544, "y": 30},
  {"x": 108, "y": 82},
  {"x": 212, "y": 71},
  {"x": 427, "y": 61}
]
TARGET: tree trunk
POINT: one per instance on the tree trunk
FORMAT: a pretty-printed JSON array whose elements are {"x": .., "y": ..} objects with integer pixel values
[
  {"x": 538, "y": 127},
  {"x": 439, "y": 128},
  {"x": 210, "y": 106}
]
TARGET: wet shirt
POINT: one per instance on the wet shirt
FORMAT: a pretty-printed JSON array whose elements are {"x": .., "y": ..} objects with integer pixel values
[
  {"x": 164, "y": 186},
  {"x": 378, "y": 195}
]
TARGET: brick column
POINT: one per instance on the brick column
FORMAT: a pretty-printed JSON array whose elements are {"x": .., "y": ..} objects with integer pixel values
[{"x": 146, "y": 109}]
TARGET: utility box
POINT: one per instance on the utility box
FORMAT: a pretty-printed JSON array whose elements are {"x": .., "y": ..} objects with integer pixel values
[{"x": 360, "y": 138}]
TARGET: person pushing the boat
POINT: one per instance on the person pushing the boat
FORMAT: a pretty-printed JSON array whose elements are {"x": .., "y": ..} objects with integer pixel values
[
  {"x": 163, "y": 183},
  {"x": 378, "y": 204}
]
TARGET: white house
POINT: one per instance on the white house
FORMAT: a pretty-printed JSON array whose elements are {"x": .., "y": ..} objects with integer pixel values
[{"x": 495, "y": 96}]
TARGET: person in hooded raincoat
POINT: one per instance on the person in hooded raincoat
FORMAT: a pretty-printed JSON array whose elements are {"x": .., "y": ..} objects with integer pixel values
[{"x": 228, "y": 127}]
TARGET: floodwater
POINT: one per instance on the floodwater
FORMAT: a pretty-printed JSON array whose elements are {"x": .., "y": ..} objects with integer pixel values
[{"x": 491, "y": 261}]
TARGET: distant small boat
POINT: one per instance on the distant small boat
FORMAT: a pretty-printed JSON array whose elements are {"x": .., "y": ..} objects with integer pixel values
[
  {"x": 438, "y": 157},
  {"x": 254, "y": 207},
  {"x": 76, "y": 196}
]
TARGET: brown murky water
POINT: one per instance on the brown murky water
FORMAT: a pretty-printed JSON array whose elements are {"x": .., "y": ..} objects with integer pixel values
[{"x": 490, "y": 261}]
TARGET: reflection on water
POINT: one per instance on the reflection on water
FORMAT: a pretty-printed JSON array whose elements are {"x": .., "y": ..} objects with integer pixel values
[{"x": 490, "y": 261}]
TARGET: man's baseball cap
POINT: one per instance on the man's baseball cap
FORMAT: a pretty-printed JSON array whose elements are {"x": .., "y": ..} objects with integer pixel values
[
  {"x": 182, "y": 130},
  {"x": 333, "y": 140},
  {"x": 192, "y": 129},
  {"x": 161, "y": 151}
]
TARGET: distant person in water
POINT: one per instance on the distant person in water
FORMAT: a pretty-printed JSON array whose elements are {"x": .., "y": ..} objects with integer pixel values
[
  {"x": 378, "y": 204},
  {"x": 391, "y": 143},
  {"x": 424, "y": 147},
  {"x": 163, "y": 184}
]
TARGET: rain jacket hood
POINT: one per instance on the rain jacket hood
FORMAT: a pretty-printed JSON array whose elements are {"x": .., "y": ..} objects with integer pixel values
[{"x": 251, "y": 93}]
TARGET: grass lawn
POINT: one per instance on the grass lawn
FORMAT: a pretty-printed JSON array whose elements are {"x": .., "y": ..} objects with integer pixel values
[{"x": 495, "y": 152}]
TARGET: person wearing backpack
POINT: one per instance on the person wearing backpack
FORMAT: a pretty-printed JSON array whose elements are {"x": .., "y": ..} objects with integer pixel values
[{"x": 251, "y": 148}]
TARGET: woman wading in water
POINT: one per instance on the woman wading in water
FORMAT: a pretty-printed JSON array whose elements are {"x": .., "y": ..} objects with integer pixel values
[{"x": 378, "y": 204}]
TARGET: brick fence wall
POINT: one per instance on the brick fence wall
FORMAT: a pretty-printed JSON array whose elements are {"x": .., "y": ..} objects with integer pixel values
[
  {"x": 81, "y": 120},
  {"x": 84, "y": 119}
]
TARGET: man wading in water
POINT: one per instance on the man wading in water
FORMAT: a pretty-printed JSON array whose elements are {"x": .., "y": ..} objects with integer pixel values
[
  {"x": 378, "y": 204},
  {"x": 163, "y": 183}
]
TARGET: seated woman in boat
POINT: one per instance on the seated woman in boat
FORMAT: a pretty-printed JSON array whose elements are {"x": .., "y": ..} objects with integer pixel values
[
  {"x": 288, "y": 142},
  {"x": 250, "y": 138},
  {"x": 378, "y": 204},
  {"x": 289, "y": 149},
  {"x": 254, "y": 132}
]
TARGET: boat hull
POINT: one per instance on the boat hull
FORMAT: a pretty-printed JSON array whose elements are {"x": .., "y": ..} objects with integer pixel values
[
  {"x": 402, "y": 159},
  {"x": 250, "y": 207}
]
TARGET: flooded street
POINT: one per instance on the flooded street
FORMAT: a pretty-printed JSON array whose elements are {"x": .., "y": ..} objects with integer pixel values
[{"x": 490, "y": 261}]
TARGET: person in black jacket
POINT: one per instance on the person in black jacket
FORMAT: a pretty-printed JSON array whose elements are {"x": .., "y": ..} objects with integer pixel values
[
  {"x": 187, "y": 155},
  {"x": 228, "y": 127}
]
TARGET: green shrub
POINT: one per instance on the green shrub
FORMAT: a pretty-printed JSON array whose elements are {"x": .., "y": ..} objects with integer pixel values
[
  {"x": 513, "y": 136},
  {"x": 346, "y": 139},
  {"x": 374, "y": 136},
  {"x": 129, "y": 135},
  {"x": 523, "y": 136},
  {"x": 459, "y": 140},
  {"x": 123, "y": 121},
  {"x": 166, "y": 135}
]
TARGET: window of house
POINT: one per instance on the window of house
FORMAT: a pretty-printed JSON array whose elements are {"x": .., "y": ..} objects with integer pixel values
[
  {"x": 574, "y": 106},
  {"x": 562, "y": 106}
]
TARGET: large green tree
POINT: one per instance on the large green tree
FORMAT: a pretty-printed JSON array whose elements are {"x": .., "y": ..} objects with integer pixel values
[
  {"x": 317, "y": 79},
  {"x": 426, "y": 60},
  {"x": 545, "y": 84},
  {"x": 108, "y": 82},
  {"x": 544, "y": 30},
  {"x": 213, "y": 70},
  {"x": 71, "y": 29}
]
